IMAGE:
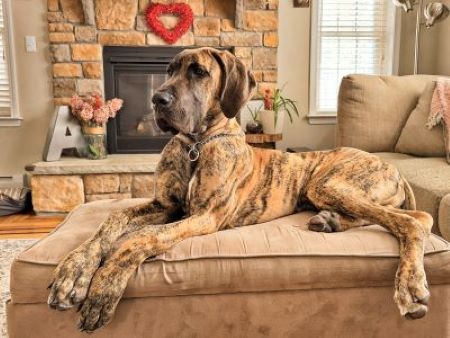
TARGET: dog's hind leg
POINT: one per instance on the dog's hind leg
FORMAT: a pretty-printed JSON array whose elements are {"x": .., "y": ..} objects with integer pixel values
[{"x": 411, "y": 228}]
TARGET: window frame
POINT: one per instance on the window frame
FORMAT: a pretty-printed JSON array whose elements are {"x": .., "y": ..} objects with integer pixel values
[
  {"x": 315, "y": 117},
  {"x": 14, "y": 119}
]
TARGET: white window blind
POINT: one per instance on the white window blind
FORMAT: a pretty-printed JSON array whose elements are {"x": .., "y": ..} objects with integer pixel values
[
  {"x": 348, "y": 37},
  {"x": 8, "y": 108},
  {"x": 5, "y": 94}
]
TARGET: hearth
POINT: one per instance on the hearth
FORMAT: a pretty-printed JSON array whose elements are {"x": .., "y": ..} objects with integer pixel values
[{"x": 133, "y": 74}]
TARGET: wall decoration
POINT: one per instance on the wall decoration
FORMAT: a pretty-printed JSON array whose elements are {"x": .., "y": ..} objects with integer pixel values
[
  {"x": 64, "y": 133},
  {"x": 180, "y": 10},
  {"x": 434, "y": 12},
  {"x": 301, "y": 3}
]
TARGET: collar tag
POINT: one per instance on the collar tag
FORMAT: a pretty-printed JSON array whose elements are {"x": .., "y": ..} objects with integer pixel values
[
  {"x": 193, "y": 153},
  {"x": 194, "y": 149}
]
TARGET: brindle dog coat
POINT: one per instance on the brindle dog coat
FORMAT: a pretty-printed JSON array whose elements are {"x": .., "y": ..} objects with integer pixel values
[{"x": 232, "y": 184}]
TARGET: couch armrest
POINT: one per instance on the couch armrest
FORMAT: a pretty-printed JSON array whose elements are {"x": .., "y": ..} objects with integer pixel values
[{"x": 444, "y": 217}]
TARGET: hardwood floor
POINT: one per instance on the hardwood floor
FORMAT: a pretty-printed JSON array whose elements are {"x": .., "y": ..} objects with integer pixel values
[{"x": 27, "y": 225}]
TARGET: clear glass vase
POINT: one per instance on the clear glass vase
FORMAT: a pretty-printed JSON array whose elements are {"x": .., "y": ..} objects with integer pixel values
[{"x": 95, "y": 142}]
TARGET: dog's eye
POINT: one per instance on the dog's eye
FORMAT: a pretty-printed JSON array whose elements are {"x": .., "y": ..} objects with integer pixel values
[
  {"x": 198, "y": 71},
  {"x": 172, "y": 68}
]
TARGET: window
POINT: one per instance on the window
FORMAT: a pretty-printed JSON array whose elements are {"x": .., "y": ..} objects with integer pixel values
[
  {"x": 8, "y": 106},
  {"x": 348, "y": 36}
]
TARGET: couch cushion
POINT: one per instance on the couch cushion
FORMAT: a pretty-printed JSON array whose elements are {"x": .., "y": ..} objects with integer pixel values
[
  {"x": 416, "y": 138},
  {"x": 372, "y": 109},
  {"x": 278, "y": 255},
  {"x": 429, "y": 178},
  {"x": 444, "y": 216}
]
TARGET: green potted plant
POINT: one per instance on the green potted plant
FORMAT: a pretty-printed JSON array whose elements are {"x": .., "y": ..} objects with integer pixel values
[
  {"x": 275, "y": 107},
  {"x": 254, "y": 126}
]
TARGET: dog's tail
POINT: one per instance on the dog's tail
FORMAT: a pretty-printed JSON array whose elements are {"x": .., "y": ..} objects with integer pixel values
[{"x": 410, "y": 200}]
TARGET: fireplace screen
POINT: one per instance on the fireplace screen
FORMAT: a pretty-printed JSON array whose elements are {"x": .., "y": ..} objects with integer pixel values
[
  {"x": 137, "y": 89},
  {"x": 133, "y": 74}
]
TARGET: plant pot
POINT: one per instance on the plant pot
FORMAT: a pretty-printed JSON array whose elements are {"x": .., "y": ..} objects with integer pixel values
[
  {"x": 270, "y": 126},
  {"x": 254, "y": 127},
  {"x": 95, "y": 142}
]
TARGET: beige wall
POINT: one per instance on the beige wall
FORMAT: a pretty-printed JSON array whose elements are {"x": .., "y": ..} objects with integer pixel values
[
  {"x": 293, "y": 70},
  {"x": 443, "y": 60},
  {"x": 22, "y": 145},
  {"x": 434, "y": 46}
]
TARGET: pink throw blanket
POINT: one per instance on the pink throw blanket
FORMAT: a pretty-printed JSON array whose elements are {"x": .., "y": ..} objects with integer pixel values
[{"x": 440, "y": 110}]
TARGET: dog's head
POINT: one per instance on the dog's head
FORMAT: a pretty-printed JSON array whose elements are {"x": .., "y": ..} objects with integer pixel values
[{"x": 203, "y": 84}]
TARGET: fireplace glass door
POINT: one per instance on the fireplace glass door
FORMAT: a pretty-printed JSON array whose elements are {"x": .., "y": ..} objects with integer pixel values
[
  {"x": 133, "y": 74},
  {"x": 137, "y": 88}
]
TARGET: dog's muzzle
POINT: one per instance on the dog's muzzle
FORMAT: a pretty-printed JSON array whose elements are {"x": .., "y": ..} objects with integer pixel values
[
  {"x": 162, "y": 101},
  {"x": 164, "y": 125}
]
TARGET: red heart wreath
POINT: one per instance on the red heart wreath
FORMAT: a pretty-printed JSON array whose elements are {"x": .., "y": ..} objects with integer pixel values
[{"x": 182, "y": 11}]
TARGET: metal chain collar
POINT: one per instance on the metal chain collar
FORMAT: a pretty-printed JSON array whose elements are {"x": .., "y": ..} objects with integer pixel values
[{"x": 194, "y": 149}]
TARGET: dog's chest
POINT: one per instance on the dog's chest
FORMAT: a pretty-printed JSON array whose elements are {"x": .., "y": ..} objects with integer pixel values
[{"x": 190, "y": 196}]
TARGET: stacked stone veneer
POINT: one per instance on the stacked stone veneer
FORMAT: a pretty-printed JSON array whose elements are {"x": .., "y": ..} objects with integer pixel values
[
  {"x": 61, "y": 193},
  {"x": 79, "y": 28},
  {"x": 62, "y": 185}
]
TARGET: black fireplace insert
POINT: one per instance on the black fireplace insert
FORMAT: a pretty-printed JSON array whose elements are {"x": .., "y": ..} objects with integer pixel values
[{"x": 133, "y": 74}]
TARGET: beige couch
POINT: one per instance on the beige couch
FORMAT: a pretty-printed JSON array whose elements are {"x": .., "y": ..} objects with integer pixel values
[
  {"x": 275, "y": 279},
  {"x": 387, "y": 115}
]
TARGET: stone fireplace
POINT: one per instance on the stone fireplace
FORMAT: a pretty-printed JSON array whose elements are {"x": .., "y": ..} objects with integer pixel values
[
  {"x": 85, "y": 34},
  {"x": 79, "y": 30}
]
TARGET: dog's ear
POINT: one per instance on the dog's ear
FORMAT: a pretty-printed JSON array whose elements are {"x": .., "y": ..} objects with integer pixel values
[{"x": 237, "y": 83}]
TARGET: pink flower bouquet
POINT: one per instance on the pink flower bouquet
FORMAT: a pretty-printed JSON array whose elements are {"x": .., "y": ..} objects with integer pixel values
[{"x": 93, "y": 111}]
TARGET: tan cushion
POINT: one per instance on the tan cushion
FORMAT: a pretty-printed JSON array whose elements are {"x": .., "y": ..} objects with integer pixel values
[
  {"x": 444, "y": 217},
  {"x": 416, "y": 138},
  {"x": 372, "y": 110},
  {"x": 429, "y": 179},
  {"x": 279, "y": 255}
]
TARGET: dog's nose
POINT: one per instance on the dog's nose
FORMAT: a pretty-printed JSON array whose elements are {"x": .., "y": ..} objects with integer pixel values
[{"x": 162, "y": 98}]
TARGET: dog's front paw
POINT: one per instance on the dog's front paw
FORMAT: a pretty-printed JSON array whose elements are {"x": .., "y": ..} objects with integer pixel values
[
  {"x": 72, "y": 277},
  {"x": 105, "y": 292},
  {"x": 411, "y": 292}
]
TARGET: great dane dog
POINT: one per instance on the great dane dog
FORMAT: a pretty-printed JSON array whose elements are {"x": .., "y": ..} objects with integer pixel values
[{"x": 209, "y": 179}]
